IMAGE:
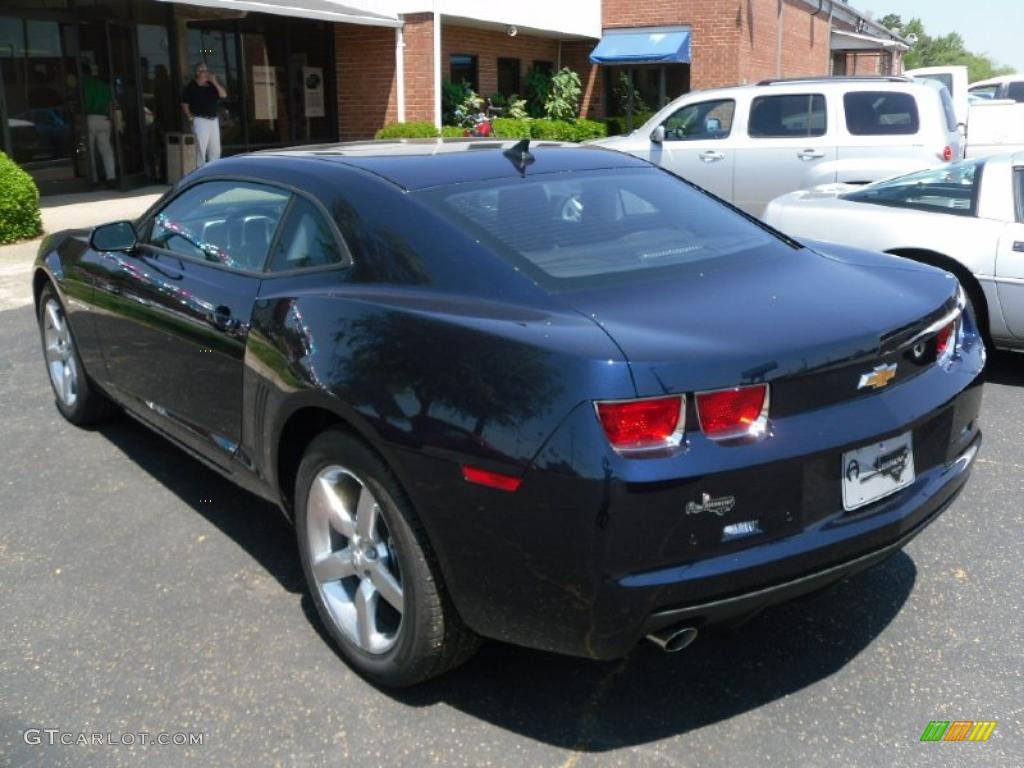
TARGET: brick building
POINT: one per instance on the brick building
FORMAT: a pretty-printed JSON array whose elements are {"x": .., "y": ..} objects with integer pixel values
[{"x": 309, "y": 71}]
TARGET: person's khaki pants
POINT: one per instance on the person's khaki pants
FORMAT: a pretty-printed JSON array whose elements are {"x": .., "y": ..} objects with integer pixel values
[
  {"x": 99, "y": 143},
  {"x": 207, "y": 131}
]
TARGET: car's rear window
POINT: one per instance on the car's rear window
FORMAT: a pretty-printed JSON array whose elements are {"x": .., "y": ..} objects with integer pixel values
[
  {"x": 880, "y": 113},
  {"x": 948, "y": 189},
  {"x": 586, "y": 229}
]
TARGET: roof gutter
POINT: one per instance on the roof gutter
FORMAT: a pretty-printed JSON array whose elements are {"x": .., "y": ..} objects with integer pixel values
[{"x": 860, "y": 22}]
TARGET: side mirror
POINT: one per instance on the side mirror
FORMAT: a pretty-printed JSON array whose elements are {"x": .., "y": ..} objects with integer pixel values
[
  {"x": 658, "y": 134},
  {"x": 118, "y": 236}
]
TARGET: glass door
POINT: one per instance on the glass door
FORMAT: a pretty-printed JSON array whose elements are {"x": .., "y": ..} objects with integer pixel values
[{"x": 128, "y": 115}]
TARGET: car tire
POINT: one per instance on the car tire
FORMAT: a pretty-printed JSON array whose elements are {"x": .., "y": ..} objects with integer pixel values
[
  {"x": 77, "y": 397},
  {"x": 363, "y": 552}
]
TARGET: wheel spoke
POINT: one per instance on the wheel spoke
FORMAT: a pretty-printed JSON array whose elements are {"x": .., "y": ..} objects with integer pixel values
[
  {"x": 387, "y": 586},
  {"x": 366, "y": 613},
  {"x": 327, "y": 504},
  {"x": 54, "y": 353},
  {"x": 334, "y": 566},
  {"x": 366, "y": 515},
  {"x": 53, "y": 313},
  {"x": 67, "y": 383}
]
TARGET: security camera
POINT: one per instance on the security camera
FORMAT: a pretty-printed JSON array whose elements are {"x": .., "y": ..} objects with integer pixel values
[{"x": 512, "y": 31}]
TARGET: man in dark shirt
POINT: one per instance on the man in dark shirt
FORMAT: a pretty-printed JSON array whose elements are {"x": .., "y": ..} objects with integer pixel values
[{"x": 199, "y": 104}]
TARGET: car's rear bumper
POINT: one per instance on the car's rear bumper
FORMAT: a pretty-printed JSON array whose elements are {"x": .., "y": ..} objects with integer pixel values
[
  {"x": 585, "y": 562},
  {"x": 937, "y": 494}
]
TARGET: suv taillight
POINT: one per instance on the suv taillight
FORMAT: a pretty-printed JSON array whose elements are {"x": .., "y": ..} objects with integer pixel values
[{"x": 947, "y": 153}]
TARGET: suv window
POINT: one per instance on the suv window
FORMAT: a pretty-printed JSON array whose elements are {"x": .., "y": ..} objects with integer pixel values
[
  {"x": 706, "y": 120},
  {"x": 230, "y": 223},
  {"x": 949, "y": 189},
  {"x": 789, "y": 116},
  {"x": 1015, "y": 91},
  {"x": 1018, "y": 188},
  {"x": 881, "y": 113},
  {"x": 306, "y": 240}
]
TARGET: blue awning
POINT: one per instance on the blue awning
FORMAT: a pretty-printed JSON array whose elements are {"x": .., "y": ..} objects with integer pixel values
[{"x": 643, "y": 47}]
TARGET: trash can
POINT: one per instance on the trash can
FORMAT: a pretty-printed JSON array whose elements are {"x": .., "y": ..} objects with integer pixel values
[{"x": 181, "y": 155}]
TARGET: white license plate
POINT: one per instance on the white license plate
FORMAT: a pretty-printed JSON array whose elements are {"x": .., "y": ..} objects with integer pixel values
[{"x": 877, "y": 470}]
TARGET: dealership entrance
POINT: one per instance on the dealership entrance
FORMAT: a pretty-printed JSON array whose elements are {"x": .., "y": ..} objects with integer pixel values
[{"x": 91, "y": 86}]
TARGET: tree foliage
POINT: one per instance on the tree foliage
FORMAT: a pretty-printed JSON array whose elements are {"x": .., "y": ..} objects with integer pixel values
[{"x": 943, "y": 51}]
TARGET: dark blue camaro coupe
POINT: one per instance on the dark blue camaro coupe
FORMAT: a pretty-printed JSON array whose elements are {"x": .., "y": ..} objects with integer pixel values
[{"x": 550, "y": 395}]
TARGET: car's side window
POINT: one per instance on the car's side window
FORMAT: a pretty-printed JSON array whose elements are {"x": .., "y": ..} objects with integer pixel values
[
  {"x": 880, "y": 113},
  {"x": 229, "y": 223},
  {"x": 787, "y": 116},
  {"x": 306, "y": 240},
  {"x": 984, "y": 91},
  {"x": 1015, "y": 91},
  {"x": 706, "y": 120}
]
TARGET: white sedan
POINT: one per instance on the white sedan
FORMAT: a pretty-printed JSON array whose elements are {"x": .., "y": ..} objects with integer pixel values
[{"x": 967, "y": 218}]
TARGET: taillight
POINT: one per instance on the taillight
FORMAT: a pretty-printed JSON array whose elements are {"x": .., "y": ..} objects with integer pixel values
[
  {"x": 947, "y": 153},
  {"x": 945, "y": 341},
  {"x": 634, "y": 426},
  {"x": 733, "y": 413}
]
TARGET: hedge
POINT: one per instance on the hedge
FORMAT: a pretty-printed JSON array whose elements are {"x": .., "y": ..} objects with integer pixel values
[
  {"x": 617, "y": 124},
  {"x": 19, "y": 203},
  {"x": 504, "y": 128}
]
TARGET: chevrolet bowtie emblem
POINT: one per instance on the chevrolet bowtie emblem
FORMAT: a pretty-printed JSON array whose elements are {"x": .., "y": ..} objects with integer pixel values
[{"x": 879, "y": 377}]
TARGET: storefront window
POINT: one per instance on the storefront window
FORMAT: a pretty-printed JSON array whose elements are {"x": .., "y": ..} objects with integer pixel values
[
  {"x": 463, "y": 69},
  {"x": 159, "y": 103}
]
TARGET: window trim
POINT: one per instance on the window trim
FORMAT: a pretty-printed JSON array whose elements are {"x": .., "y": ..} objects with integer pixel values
[
  {"x": 1018, "y": 192},
  {"x": 145, "y": 222},
  {"x": 804, "y": 137}
]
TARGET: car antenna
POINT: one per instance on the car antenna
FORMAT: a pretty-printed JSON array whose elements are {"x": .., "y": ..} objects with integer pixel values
[{"x": 520, "y": 156}]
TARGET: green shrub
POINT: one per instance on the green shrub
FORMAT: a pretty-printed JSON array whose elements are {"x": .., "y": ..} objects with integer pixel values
[
  {"x": 452, "y": 131},
  {"x": 415, "y": 130},
  {"x": 509, "y": 128},
  {"x": 548, "y": 130},
  {"x": 19, "y": 203},
  {"x": 564, "y": 95},
  {"x": 617, "y": 124}
]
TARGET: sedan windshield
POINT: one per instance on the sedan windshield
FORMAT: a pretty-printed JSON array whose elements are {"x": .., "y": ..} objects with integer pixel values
[
  {"x": 585, "y": 229},
  {"x": 947, "y": 189}
]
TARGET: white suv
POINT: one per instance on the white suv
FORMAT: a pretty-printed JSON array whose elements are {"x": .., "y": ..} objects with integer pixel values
[{"x": 749, "y": 144}]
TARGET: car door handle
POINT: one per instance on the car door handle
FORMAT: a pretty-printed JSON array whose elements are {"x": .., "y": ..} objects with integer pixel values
[
  {"x": 810, "y": 154},
  {"x": 711, "y": 156},
  {"x": 1018, "y": 246}
]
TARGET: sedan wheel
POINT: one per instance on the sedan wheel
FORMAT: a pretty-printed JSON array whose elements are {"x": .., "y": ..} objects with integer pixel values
[{"x": 373, "y": 576}]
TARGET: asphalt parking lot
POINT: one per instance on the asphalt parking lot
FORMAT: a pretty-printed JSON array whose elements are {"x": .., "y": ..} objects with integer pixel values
[{"x": 140, "y": 592}]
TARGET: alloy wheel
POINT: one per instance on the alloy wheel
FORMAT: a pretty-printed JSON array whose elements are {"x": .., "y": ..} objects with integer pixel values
[
  {"x": 353, "y": 560},
  {"x": 60, "y": 353}
]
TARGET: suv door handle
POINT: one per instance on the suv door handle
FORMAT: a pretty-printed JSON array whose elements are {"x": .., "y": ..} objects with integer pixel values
[
  {"x": 1018, "y": 246},
  {"x": 711, "y": 156},
  {"x": 810, "y": 154}
]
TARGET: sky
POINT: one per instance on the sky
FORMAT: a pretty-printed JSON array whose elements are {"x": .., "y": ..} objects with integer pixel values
[{"x": 993, "y": 27}]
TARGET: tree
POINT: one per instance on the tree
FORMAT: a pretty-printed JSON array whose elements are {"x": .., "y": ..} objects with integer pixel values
[{"x": 943, "y": 51}]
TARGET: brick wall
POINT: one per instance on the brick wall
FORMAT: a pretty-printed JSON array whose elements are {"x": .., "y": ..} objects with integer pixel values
[
  {"x": 490, "y": 45},
  {"x": 365, "y": 66},
  {"x": 419, "y": 67}
]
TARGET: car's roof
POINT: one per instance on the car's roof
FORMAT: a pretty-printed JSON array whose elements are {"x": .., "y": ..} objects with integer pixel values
[
  {"x": 420, "y": 163},
  {"x": 999, "y": 80}
]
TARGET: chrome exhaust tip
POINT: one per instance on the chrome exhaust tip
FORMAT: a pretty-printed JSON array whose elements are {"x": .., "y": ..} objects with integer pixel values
[{"x": 673, "y": 639}]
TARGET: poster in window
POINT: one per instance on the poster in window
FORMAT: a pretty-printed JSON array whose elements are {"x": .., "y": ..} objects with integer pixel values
[
  {"x": 313, "y": 87},
  {"x": 264, "y": 84}
]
